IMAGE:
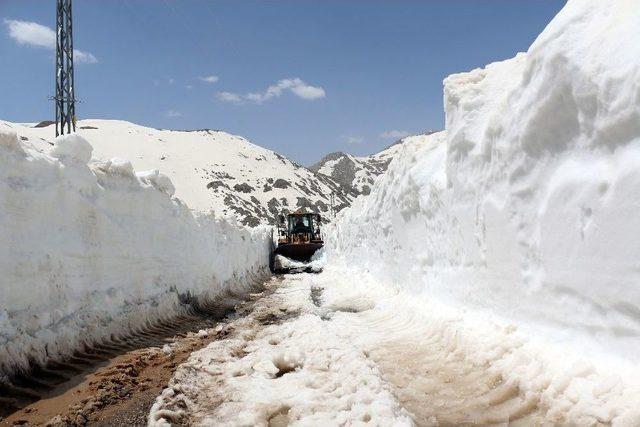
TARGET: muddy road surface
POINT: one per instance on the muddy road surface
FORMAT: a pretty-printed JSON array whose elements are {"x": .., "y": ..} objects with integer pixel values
[{"x": 115, "y": 383}]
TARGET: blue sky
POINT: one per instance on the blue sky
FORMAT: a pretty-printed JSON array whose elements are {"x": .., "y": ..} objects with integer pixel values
[{"x": 302, "y": 77}]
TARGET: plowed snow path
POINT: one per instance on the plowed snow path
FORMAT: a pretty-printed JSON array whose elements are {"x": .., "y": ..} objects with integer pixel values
[{"x": 330, "y": 350}]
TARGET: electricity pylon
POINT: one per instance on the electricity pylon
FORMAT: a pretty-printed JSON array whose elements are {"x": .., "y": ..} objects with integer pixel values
[{"x": 65, "y": 91}]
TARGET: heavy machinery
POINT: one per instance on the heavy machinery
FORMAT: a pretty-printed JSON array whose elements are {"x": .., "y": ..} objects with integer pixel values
[{"x": 298, "y": 239}]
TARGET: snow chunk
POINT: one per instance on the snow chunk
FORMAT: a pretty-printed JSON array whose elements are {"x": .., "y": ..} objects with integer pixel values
[
  {"x": 315, "y": 265},
  {"x": 9, "y": 141},
  {"x": 72, "y": 146},
  {"x": 121, "y": 167},
  {"x": 158, "y": 180},
  {"x": 267, "y": 367}
]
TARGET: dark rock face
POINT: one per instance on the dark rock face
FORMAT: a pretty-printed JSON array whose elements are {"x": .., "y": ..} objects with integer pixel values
[
  {"x": 249, "y": 212},
  {"x": 281, "y": 183},
  {"x": 243, "y": 188},
  {"x": 303, "y": 202},
  {"x": 321, "y": 206},
  {"x": 45, "y": 123},
  {"x": 274, "y": 207},
  {"x": 355, "y": 175},
  {"x": 331, "y": 156},
  {"x": 213, "y": 185},
  {"x": 344, "y": 172}
]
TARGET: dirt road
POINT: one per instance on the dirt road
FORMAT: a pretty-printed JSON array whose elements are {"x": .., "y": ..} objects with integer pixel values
[{"x": 113, "y": 384}]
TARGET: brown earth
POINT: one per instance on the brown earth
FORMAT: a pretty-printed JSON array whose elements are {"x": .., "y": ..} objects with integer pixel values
[{"x": 119, "y": 392}]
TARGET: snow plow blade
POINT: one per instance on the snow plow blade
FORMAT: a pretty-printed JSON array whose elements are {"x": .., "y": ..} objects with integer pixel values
[{"x": 298, "y": 251}]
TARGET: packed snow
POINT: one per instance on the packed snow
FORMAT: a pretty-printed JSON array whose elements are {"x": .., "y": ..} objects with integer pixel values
[
  {"x": 523, "y": 216},
  {"x": 91, "y": 250}
]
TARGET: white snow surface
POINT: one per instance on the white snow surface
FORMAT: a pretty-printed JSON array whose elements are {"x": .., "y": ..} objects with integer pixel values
[
  {"x": 525, "y": 213},
  {"x": 88, "y": 251},
  {"x": 212, "y": 171}
]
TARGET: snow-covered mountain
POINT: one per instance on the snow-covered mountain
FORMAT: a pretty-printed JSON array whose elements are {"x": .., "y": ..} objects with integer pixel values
[
  {"x": 213, "y": 171},
  {"x": 357, "y": 174}
]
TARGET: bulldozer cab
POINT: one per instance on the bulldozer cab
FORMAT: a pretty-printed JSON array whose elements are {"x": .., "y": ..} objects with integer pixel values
[
  {"x": 299, "y": 238},
  {"x": 300, "y": 227}
]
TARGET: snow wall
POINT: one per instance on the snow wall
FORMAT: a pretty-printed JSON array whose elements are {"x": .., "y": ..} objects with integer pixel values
[
  {"x": 91, "y": 250},
  {"x": 528, "y": 206}
]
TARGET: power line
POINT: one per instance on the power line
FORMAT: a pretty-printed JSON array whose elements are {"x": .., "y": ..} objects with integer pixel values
[{"x": 65, "y": 89}]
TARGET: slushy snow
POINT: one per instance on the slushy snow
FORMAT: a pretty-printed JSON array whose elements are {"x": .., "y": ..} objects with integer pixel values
[
  {"x": 91, "y": 250},
  {"x": 283, "y": 364}
]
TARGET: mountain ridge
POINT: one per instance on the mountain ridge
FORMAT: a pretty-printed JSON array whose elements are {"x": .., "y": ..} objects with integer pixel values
[{"x": 214, "y": 172}]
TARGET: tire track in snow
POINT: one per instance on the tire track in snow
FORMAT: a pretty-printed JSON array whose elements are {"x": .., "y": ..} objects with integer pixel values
[
  {"x": 50, "y": 383},
  {"x": 281, "y": 364},
  {"x": 340, "y": 349},
  {"x": 434, "y": 380},
  {"x": 450, "y": 366}
]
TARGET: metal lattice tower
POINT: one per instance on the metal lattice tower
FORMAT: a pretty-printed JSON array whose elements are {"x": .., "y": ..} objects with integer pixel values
[{"x": 65, "y": 91}]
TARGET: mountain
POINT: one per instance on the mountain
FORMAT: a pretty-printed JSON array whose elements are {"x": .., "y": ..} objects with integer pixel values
[
  {"x": 213, "y": 171},
  {"x": 356, "y": 175}
]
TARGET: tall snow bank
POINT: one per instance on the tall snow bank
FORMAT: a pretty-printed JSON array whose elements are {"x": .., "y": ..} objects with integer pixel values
[
  {"x": 529, "y": 207},
  {"x": 87, "y": 251}
]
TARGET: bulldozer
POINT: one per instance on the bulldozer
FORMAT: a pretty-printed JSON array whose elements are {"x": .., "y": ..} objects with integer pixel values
[{"x": 298, "y": 239}]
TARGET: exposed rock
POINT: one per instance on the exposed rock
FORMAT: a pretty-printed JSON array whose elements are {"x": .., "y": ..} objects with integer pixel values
[
  {"x": 243, "y": 188},
  {"x": 45, "y": 123},
  {"x": 303, "y": 202},
  {"x": 213, "y": 185},
  {"x": 281, "y": 183},
  {"x": 274, "y": 206}
]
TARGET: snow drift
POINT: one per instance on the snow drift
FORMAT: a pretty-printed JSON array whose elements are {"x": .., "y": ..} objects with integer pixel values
[
  {"x": 526, "y": 211},
  {"x": 90, "y": 251}
]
